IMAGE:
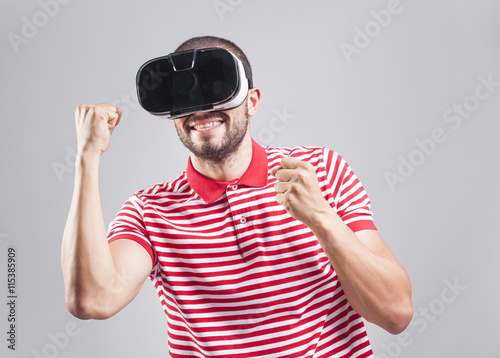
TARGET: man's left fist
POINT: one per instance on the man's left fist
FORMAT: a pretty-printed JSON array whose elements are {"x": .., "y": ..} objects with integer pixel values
[{"x": 298, "y": 190}]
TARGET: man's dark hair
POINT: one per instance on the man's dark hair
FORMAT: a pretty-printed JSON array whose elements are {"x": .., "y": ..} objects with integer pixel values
[{"x": 213, "y": 41}]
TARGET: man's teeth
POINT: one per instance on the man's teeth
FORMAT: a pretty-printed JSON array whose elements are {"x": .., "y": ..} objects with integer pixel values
[{"x": 199, "y": 127}]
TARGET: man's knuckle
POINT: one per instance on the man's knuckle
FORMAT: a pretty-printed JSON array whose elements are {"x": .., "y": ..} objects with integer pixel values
[{"x": 300, "y": 177}]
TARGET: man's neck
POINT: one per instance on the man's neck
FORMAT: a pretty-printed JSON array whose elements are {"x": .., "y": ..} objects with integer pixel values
[{"x": 233, "y": 167}]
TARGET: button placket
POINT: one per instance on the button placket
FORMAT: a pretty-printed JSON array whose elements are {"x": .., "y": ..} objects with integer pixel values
[{"x": 243, "y": 226}]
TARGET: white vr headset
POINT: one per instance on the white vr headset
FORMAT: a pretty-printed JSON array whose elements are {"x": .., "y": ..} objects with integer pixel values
[{"x": 182, "y": 83}]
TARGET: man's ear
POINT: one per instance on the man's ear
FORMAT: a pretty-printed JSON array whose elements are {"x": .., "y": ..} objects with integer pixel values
[{"x": 253, "y": 101}]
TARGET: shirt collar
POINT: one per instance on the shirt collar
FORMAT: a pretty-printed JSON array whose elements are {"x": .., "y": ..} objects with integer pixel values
[{"x": 209, "y": 189}]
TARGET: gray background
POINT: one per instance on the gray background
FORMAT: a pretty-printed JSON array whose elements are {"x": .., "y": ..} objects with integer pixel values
[{"x": 371, "y": 107}]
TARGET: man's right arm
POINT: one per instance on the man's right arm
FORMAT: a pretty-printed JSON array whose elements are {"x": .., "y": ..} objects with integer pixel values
[{"x": 99, "y": 278}]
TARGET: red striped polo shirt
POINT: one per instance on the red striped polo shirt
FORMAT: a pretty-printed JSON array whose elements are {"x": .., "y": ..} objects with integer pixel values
[{"x": 236, "y": 275}]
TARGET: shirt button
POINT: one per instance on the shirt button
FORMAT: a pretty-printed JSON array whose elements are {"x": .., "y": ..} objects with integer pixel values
[
  {"x": 243, "y": 220},
  {"x": 234, "y": 187}
]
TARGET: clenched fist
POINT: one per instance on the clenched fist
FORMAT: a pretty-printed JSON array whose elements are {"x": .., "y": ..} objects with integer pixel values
[
  {"x": 299, "y": 192},
  {"x": 94, "y": 125}
]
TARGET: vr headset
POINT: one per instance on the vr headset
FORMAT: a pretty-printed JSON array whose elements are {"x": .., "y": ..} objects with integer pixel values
[{"x": 182, "y": 83}]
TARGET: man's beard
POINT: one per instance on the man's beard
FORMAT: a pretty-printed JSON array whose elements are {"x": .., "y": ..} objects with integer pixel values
[{"x": 216, "y": 153}]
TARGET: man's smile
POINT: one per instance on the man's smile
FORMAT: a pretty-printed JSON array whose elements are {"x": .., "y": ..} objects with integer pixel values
[
  {"x": 205, "y": 124},
  {"x": 201, "y": 123}
]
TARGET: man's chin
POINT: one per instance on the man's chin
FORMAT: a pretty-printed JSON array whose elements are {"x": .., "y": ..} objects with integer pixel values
[{"x": 212, "y": 155}]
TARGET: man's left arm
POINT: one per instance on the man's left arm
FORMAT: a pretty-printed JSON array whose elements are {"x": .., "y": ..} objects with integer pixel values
[{"x": 374, "y": 282}]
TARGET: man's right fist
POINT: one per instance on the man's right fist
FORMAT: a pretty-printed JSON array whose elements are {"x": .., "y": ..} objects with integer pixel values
[{"x": 94, "y": 125}]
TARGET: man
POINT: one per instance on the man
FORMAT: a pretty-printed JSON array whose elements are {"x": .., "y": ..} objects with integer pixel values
[{"x": 254, "y": 252}]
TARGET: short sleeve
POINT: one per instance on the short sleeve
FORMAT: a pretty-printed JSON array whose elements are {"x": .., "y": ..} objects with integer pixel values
[
  {"x": 349, "y": 196},
  {"x": 129, "y": 224}
]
